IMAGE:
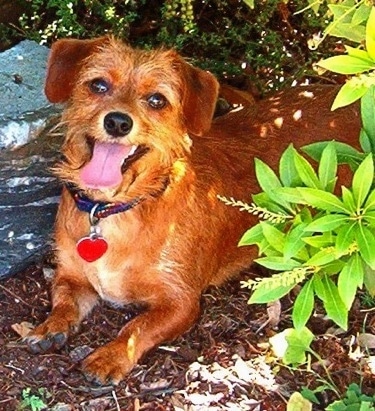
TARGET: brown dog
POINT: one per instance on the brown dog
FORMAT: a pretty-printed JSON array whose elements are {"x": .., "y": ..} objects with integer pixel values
[{"x": 139, "y": 220}]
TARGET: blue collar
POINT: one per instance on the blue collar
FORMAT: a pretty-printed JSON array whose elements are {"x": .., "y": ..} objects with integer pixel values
[{"x": 100, "y": 209}]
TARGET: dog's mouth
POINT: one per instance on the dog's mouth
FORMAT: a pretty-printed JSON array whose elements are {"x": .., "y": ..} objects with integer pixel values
[{"x": 108, "y": 162}]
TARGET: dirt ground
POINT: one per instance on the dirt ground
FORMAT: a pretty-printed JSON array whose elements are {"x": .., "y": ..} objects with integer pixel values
[{"x": 223, "y": 363}]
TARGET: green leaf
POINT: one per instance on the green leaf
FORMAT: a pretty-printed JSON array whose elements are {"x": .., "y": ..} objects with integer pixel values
[
  {"x": 333, "y": 304},
  {"x": 275, "y": 237},
  {"x": 297, "y": 402},
  {"x": 266, "y": 177},
  {"x": 303, "y": 305},
  {"x": 328, "y": 167},
  {"x": 348, "y": 199},
  {"x": 345, "y": 238},
  {"x": 322, "y": 200},
  {"x": 364, "y": 139},
  {"x": 319, "y": 241},
  {"x": 370, "y": 34},
  {"x": 369, "y": 280},
  {"x": 345, "y": 152},
  {"x": 366, "y": 244},
  {"x": 368, "y": 115},
  {"x": 361, "y": 14},
  {"x": 289, "y": 194},
  {"x": 327, "y": 223},
  {"x": 346, "y": 30},
  {"x": 252, "y": 236},
  {"x": 362, "y": 180},
  {"x": 277, "y": 263},
  {"x": 249, "y": 3},
  {"x": 322, "y": 257},
  {"x": 287, "y": 168},
  {"x": 305, "y": 171},
  {"x": 298, "y": 343},
  {"x": 265, "y": 294},
  {"x": 348, "y": 94},
  {"x": 349, "y": 279},
  {"x": 370, "y": 202},
  {"x": 293, "y": 241},
  {"x": 346, "y": 64}
]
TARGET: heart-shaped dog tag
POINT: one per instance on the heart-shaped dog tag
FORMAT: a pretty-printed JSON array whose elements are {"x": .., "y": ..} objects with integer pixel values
[{"x": 91, "y": 248}]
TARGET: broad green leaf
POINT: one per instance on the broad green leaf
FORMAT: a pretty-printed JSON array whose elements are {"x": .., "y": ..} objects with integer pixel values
[
  {"x": 322, "y": 257},
  {"x": 362, "y": 180},
  {"x": 348, "y": 94},
  {"x": 358, "y": 267},
  {"x": 346, "y": 64},
  {"x": 297, "y": 402},
  {"x": 274, "y": 236},
  {"x": 264, "y": 200},
  {"x": 310, "y": 395},
  {"x": 370, "y": 34},
  {"x": 364, "y": 139},
  {"x": 368, "y": 115},
  {"x": 345, "y": 152},
  {"x": 266, "y": 177},
  {"x": 357, "y": 52},
  {"x": 361, "y": 14},
  {"x": 319, "y": 287},
  {"x": 346, "y": 30},
  {"x": 319, "y": 241},
  {"x": 341, "y": 11},
  {"x": 293, "y": 241},
  {"x": 298, "y": 344},
  {"x": 369, "y": 280},
  {"x": 348, "y": 199},
  {"x": 328, "y": 167},
  {"x": 264, "y": 294},
  {"x": 287, "y": 168},
  {"x": 305, "y": 171},
  {"x": 370, "y": 202},
  {"x": 303, "y": 305},
  {"x": 277, "y": 263},
  {"x": 348, "y": 280},
  {"x": 345, "y": 238},
  {"x": 289, "y": 194},
  {"x": 366, "y": 244},
  {"x": 327, "y": 223},
  {"x": 333, "y": 304},
  {"x": 322, "y": 200},
  {"x": 249, "y": 3},
  {"x": 252, "y": 236},
  {"x": 369, "y": 217}
]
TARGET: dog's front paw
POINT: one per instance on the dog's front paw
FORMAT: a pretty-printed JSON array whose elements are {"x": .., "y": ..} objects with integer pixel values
[
  {"x": 107, "y": 365},
  {"x": 50, "y": 335}
]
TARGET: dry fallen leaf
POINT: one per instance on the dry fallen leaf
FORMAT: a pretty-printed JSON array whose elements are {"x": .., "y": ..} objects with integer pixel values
[{"x": 22, "y": 329}]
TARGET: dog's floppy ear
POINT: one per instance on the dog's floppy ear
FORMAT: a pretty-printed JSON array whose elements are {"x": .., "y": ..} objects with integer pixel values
[
  {"x": 64, "y": 63},
  {"x": 199, "y": 98}
]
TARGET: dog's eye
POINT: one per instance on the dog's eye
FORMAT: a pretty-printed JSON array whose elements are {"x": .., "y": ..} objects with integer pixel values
[
  {"x": 99, "y": 86},
  {"x": 157, "y": 101}
]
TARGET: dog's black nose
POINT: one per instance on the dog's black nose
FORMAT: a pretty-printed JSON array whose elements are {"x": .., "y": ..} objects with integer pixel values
[{"x": 117, "y": 124}]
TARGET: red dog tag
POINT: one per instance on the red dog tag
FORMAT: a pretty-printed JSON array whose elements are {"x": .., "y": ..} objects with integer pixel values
[{"x": 91, "y": 248}]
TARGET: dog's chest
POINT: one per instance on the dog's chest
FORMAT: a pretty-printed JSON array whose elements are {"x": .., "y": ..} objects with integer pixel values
[{"x": 109, "y": 283}]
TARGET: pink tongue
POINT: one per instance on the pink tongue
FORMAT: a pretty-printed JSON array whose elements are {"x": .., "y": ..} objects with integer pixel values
[{"x": 104, "y": 169}]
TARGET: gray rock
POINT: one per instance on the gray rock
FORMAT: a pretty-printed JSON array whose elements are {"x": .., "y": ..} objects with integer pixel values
[{"x": 28, "y": 190}]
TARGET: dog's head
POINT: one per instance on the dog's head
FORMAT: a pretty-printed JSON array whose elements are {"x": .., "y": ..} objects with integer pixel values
[{"x": 130, "y": 113}]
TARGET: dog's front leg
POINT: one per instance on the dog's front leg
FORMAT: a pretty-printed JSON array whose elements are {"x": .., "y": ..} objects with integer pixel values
[
  {"x": 163, "y": 321},
  {"x": 72, "y": 299}
]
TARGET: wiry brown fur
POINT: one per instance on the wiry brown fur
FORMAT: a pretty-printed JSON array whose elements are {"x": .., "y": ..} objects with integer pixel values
[{"x": 180, "y": 239}]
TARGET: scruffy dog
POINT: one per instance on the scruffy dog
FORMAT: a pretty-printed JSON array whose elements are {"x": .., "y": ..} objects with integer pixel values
[{"x": 139, "y": 220}]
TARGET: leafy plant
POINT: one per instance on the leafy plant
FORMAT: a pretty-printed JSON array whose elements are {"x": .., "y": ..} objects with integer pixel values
[
  {"x": 354, "y": 400},
  {"x": 313, "y": 236},
  {"x": 355, "y": 21},
  {"x": 33, "y": 401}
]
